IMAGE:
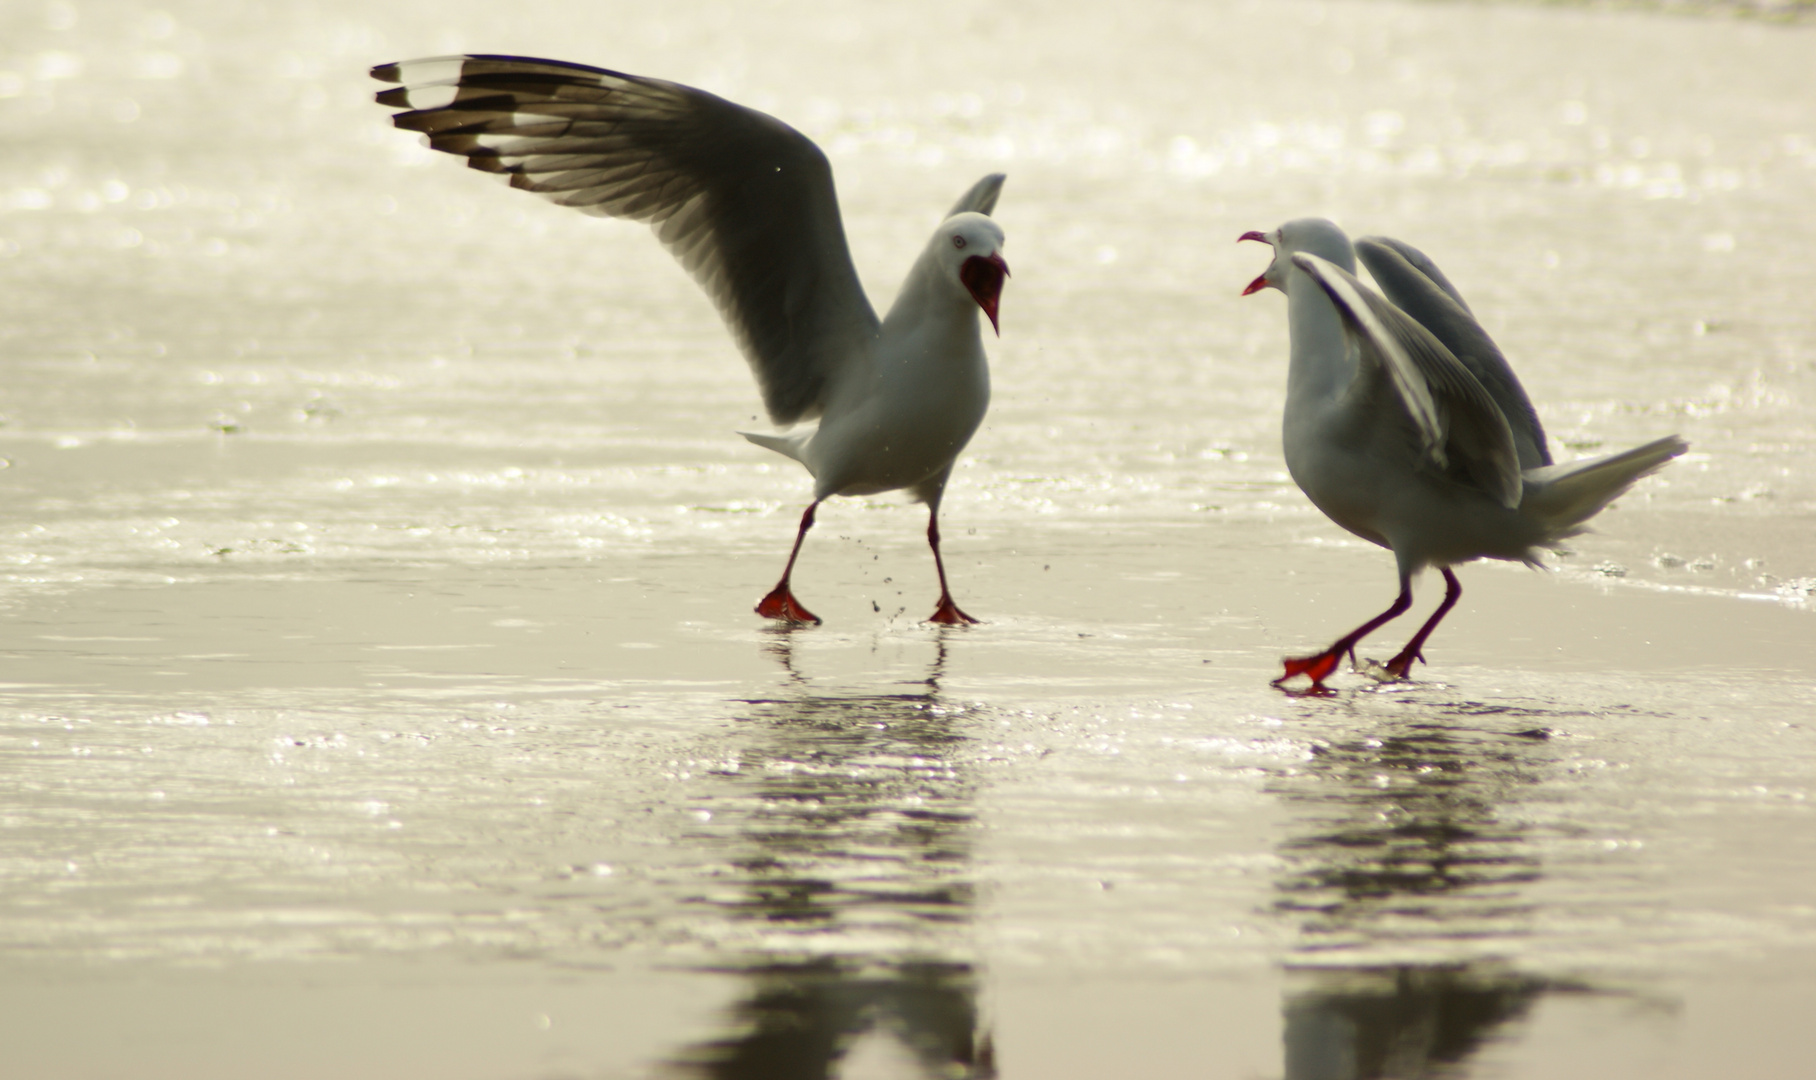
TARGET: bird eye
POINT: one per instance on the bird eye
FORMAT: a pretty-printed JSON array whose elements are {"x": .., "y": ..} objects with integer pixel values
[{"x": 958, "y": 241}]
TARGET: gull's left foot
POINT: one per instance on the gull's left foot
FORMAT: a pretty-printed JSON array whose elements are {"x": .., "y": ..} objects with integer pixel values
[
  {"x": 948, "y": 614},
  {"x": 782, "y": 606},
  {"x": 1400, "y": 667}
]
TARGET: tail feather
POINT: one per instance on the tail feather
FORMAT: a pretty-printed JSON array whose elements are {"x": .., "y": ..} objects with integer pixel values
[
  {"x": 790, "y": 444},
  {"x": 1562, "y": 497}
]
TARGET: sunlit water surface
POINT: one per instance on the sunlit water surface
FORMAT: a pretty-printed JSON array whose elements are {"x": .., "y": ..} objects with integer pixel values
[{"x": 380, "y": 691}]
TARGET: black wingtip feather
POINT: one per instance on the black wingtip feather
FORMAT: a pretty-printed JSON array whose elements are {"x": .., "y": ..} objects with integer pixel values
[{"x": 766, "y": 244}]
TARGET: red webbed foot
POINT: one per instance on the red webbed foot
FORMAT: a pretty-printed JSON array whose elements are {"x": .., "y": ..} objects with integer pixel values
[
  {"x": 781, "y": 605},
  {"x": 948, "y": 614},
  {"x": 1317, "y": 668}
]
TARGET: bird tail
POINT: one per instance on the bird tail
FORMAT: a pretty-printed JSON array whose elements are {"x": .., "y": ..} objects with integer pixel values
[
  {"x": 1562, "y": 497},
  {"x": 790, "y": 444}
]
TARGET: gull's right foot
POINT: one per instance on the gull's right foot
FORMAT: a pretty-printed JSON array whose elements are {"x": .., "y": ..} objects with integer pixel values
[
  {"x": 1317, "y": 668},
  {"x": 781, "y": 605}
]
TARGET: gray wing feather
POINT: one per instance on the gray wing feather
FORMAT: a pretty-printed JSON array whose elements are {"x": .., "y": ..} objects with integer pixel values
[
  {"x": 981, "y": 199},
  {"x": 1460, "y": 428},
  {"x": 1418, "y": 260},
  {"x": 745, "y": 202},
  {"x": 1415, "y": 285}
]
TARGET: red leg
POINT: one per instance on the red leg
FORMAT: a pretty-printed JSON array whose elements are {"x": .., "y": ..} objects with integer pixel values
[
  {"x": 948, "y": 613},
  {"x": 781, "y": 603},
  {"x": 1400, "y": 664},
  {"x": 1319, "y": 666}
]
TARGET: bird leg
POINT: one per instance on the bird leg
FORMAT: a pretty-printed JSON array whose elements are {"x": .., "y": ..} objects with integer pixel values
[
  {"x": 1400, "y": 664},
  {"x": 948, "y": 613},
  {"x": 781, "y": 603},
  {"x": 1319, "y": 666}
]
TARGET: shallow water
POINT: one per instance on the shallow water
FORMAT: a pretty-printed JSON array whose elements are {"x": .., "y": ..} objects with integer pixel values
[{"x": 381, "y": 694}]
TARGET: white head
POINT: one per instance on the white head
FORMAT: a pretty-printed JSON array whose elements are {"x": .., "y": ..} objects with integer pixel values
[
  {"x": 968, "y": 248},
  {"x": 1315, "y": 235}
]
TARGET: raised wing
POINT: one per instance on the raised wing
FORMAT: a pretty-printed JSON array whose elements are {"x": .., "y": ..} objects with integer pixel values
[
  {"x": 1418, "y": 260},
  {"x": 981, "y": 199},
  {"x": 1459, "y": 426},
  {"x": 1415, "y": 285},
  {"x": 744, "y": 201}
]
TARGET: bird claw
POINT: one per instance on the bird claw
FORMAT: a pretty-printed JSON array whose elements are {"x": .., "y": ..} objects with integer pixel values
[
  {"x": 781, "y": 605},
  {"x": 1400, "y": 667},
  {"x": 1317, "y": 668},
  {"x": 948, "y": 614}
]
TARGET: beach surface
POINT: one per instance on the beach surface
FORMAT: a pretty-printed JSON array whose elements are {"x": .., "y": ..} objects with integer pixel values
[{"x": 380, "y": 694}]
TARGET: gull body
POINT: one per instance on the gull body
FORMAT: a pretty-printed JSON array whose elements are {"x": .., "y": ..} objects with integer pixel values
[
  {"x": 1406, "y": 426},
  {"x": 747, "y": 204}
]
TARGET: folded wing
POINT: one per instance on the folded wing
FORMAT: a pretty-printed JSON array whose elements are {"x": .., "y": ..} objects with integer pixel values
[
  {"x": 1459, "y": 427},
  {"x": 1415, "y": 285},
  {"x": 745, "y": 202}
]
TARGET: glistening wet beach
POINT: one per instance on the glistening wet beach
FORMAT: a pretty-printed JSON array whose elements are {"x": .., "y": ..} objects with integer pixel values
[{"x": 383, "y": 696}]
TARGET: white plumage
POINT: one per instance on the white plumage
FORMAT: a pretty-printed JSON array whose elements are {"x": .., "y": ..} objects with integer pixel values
[
  {"x": 747, "y": 204},
  {"x": 1406, "y": 426}
]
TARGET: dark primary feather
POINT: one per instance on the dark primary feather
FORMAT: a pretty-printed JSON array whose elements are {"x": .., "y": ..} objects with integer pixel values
[
  {"x": 1475, "y": 442},
  {"x": 1416, "y": 286},
  {"x": 745, "y": 202}
]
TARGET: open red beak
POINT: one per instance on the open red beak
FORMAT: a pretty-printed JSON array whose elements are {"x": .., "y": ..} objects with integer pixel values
[
  {"x": 1259, "y": 283},
  {"x": 983, "y": 276}
]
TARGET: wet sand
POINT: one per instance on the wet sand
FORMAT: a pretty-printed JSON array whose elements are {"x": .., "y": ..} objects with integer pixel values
[{"x": 380, "y": 693}]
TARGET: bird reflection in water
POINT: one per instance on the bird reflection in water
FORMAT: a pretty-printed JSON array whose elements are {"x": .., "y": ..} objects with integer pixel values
[
  {"x": 855, "y": 880},
  {"x": 1406, "y": 846},
  {"x": 1401, "y": 1022}
]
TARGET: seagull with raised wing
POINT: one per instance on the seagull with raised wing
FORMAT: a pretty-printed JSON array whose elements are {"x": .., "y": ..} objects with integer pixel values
[
  {"x": 746, "y": 203},
  {"x": 1406, "y": 425}
]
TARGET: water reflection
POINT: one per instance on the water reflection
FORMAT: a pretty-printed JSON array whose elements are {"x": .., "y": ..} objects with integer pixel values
[
  {"x": 1406, "y": 836},
  {"x": 855, "y": 877},
  {"x": 1405, "y": 848},
  {"x": 825, "y": 1018},
  {"x": 1402, "y": 1022}
]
